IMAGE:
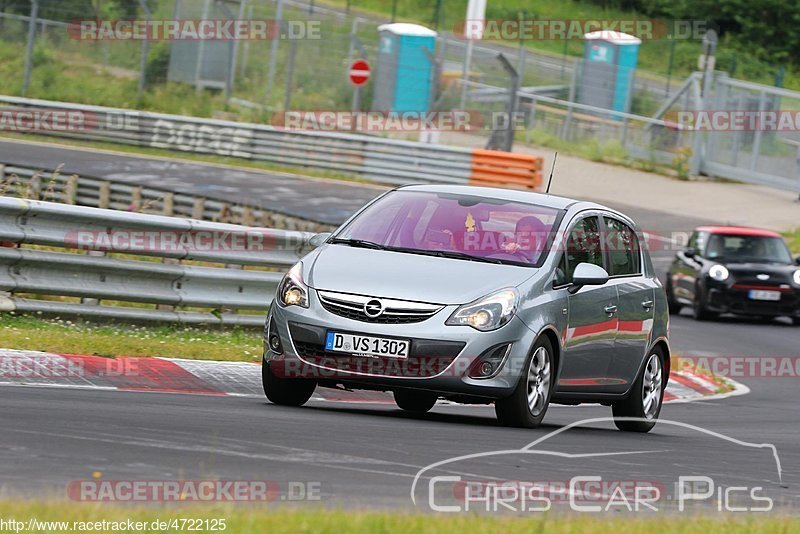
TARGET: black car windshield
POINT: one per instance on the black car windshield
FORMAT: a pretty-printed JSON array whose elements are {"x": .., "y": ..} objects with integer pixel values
[
  {"x": 455, "y": 226},
  {"x": 747, "y": 249}
]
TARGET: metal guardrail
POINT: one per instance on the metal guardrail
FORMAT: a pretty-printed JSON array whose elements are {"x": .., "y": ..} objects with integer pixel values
[
  {"x": 55, "y": 186},
  {"x": 388, "y": 161},
  {"x": 172, "y": 291}
]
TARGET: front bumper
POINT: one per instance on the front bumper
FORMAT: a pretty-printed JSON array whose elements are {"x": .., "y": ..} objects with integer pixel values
[
  {"x": 734, "y": 298},
  {"x": 439, "y": 360}
]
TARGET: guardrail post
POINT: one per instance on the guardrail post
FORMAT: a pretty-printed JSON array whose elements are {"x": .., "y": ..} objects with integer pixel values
[
  {"x": 199, "y": 208},
  {"x": 105, "y": 195},
  {"x": 169, "y": 204},
  {"x": 70, "y": 192},
  {"x": 136, "y": 198},
  {"x": 90, "y": 300},
  {"x": 247, "y": 216}
]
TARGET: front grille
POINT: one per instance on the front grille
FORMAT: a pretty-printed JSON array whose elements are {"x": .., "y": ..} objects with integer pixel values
[{"x": 394, "y": 312}]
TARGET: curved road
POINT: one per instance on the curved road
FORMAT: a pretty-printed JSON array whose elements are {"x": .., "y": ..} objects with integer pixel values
[{"x": 368, "y": 455}]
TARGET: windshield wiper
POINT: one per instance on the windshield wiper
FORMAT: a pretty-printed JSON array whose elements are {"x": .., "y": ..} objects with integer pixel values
[
  {"x": 361, "y": 243},
  {"x": 445, "y": 254}
]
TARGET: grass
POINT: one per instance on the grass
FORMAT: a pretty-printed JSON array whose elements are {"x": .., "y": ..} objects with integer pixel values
[
  {"x": 793, "y": 239},
  {"x": 80, "y": 337},
  {"x": 283, "y": 520}
]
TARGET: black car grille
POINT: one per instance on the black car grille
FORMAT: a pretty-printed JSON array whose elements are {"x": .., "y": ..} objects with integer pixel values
[{"x": 391, "y": 315}]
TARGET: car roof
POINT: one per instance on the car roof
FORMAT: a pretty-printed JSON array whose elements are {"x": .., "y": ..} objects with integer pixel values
[
  {"x": 512, "y": 195},
  {"x": 737, "y": 230}
]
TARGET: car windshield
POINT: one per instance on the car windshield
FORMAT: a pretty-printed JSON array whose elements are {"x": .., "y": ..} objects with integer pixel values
[
  {"x": 457, "y": 226},
  {"x": 747, "y": 248}
]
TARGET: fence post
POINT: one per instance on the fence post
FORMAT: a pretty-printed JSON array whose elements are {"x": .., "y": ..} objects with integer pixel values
[
  {"x": 105, "y": 195},
  {"x": 26, "y": 80},
  {"x": 136, "y": 198},
  {"x": 144, "y": 51},
  {"x": 70, "y": 193},
  {"x": 273, "y": 52},
  {"x": 199, "y": 208},
  {"x": 169, "y": 204}
]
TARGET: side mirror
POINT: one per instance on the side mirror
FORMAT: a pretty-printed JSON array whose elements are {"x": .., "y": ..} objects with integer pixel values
[
  {"x": 588, "y": 274},
  {"x": 690, "y": 252},
  {"x": 797, "y": 260},
  {"x": 318, "y": 239}
]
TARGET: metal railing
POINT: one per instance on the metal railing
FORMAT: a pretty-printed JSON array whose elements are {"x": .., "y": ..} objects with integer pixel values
[
  {"x": 56, "y": 186},
  {"x": 105, "y": 265},
  {"x": 374, "y": 158}
]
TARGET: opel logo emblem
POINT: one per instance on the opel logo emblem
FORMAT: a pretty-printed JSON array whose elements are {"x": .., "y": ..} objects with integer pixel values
[
  {"x": 373, "y": 308},
  {"x": 763, "y": 276}
]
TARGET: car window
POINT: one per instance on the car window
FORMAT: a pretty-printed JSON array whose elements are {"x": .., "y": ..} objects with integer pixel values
[
  {"x": 623, "y": 248},
  {"x": 747, "y": 248},
  {"x": 583, "y": 245},
  {"x": 497, "y": 229}
]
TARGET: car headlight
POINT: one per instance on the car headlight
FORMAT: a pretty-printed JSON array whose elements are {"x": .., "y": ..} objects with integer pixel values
[
  {"x": 487, "y": 313},
  {"x": 719, "y": 273},
  {"x": 292, "y": 291},
  {"x": 796, "y": 277}
]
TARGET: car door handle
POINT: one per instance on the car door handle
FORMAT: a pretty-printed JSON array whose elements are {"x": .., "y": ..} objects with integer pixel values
[
  {"x": 610, "y": 309},
  {"x": 647, "y": 304}
]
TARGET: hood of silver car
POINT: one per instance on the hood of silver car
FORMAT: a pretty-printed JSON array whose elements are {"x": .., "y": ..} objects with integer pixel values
[{"x": 405, "y": 276}]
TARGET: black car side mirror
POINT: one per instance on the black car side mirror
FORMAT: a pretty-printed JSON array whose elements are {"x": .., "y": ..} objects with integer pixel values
[
  {"x": 797, "y": 260},
  {"x": 690, "y": 252}
]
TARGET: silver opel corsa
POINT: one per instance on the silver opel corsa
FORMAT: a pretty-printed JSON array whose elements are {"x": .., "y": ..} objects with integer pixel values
[{"x": 476, "y": 295}]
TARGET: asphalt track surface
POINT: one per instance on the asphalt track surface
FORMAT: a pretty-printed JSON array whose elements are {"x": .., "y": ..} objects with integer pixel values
[{"x": 367, "y": 455}]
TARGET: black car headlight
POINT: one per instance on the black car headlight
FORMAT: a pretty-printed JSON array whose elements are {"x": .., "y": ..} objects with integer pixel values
[
  {"x": 292, "y": 291},
  {"x": 487, "y": 313},
  {"x": 796, "y": 277}
]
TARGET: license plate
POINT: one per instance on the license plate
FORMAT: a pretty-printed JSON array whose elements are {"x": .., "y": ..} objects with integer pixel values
[
  {"x": 370, "y": 346},
  {"x": 758, "y": 294}
]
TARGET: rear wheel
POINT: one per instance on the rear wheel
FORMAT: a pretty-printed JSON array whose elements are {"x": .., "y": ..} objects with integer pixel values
[
  {"x": 528, "y": 404},
  {"x": 415, "y": 401},
  {"x": 796, "y": 321},
  {"x": 699, "y": 309},
  {"x": 286, "y": 391},
  {"x": 672, "y": 304},
  {"x": 644, "y": 402}
]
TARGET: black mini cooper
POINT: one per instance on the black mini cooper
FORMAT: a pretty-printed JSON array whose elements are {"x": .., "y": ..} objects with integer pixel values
[{"x": 729, "y": 269}]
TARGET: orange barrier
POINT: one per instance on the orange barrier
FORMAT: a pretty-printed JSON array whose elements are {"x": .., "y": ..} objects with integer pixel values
[{"x": 506, "y": 169}]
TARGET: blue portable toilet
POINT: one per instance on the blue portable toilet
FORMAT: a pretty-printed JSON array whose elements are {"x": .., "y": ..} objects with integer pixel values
[
  {"x": 404, "y": 72},
  {"x": 609, "y": 62}
]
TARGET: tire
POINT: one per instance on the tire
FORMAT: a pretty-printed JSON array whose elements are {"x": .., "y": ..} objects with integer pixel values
[
  {"x": 414, "y": 401},
  {"x": 699, "y": 310},
  {"x": 286, "y": 391},
  {"x": 796, "y": 321},
  {"x": 647, "y": 387},
  {"x": 672, "y": 304},
  {"x": 516, "y": 410}
]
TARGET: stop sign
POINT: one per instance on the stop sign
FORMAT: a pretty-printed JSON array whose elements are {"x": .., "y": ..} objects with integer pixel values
[{"x": 359, "y": 72}]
